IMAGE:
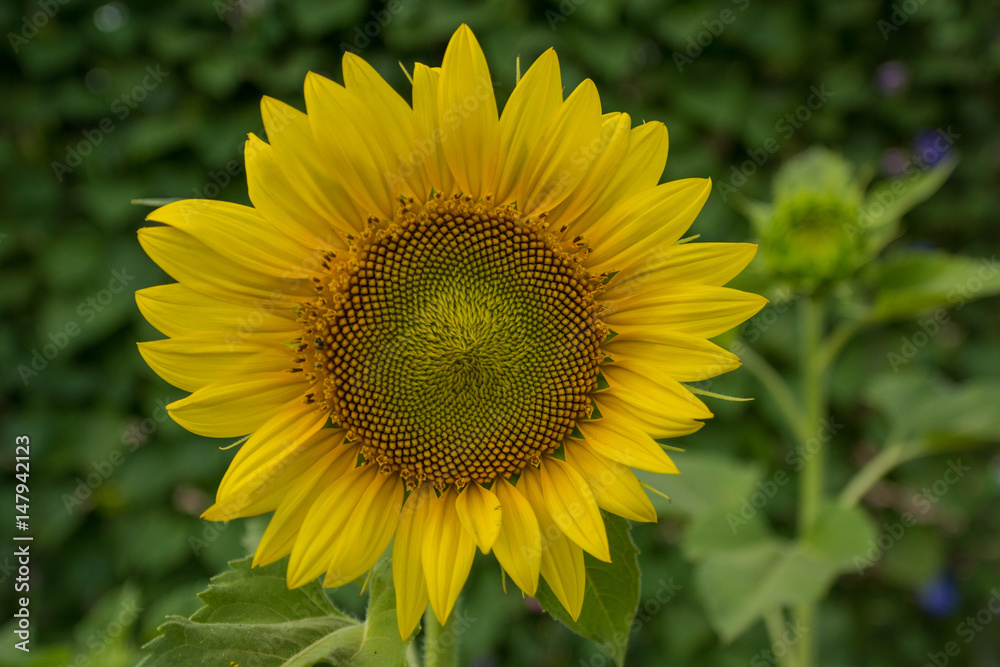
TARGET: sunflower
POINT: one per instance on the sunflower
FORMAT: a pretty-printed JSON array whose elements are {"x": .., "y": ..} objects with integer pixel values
[{"x": 442, "y": 327}]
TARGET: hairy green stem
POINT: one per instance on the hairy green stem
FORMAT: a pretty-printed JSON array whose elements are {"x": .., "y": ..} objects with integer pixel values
[
  {"x": 871, "y": 473},
  {"x": 814, "y": 402},
  {"x": 838, "y": 339},
  {"x": 440, "y": 641},
  {"x": 811, "y": 484},
  {"x": 779, "y": 390},
  {"x": 774, "y": 621}
]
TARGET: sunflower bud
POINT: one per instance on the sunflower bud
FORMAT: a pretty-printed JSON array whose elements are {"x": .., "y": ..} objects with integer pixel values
[
  {"x": 823, "y": 225},
  {"x": 809, "y": 235}
]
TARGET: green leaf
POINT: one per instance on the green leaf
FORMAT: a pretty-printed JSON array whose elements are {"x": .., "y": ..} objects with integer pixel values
[
  {"x": 908, "y": 284},
  {"x": 723, "y": 531},
  {"x": 250, "y": 618},
  {"x": 888, "y": 201},
  {"x": 839, "y": 535},
  {"x": 708, "y": 482},
  {"x": 739, "y": 585},
  {"x": 932, "y": 415},
  {"x": 612, "y": 594}
]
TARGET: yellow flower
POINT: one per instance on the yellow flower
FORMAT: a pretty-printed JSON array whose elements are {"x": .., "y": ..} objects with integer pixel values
[{"x": 443, "y": 328}]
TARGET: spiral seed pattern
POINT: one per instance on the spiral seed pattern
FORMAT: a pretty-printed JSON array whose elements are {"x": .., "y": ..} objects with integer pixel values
[{"x": 457, "y": 342}]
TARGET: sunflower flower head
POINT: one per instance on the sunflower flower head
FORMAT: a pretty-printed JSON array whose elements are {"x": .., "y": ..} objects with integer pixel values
[{"x": 443, "y": 328}]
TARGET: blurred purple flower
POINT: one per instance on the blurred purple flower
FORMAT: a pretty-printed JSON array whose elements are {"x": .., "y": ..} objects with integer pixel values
[
  {"x": 929, "y": 149},
  {"x": 891, "y": 77},
  {"x": 939, "y": 597}
]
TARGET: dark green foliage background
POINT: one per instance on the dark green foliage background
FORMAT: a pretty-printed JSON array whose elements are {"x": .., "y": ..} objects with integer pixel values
[{"x": 136, "y": 540}]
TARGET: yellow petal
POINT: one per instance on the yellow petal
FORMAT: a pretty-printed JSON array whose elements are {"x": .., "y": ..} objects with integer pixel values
[
  {"x": 290, "y": 135},
  {"x": 479, "y": 510},
  {"x": 614, "y": 486},
  {"x": 699, "y": 310},
  {"x": 176, "y": 310},
  {"x": 325, "y": 524},
  {"x": 366, "y": 531},
  {"x": 572, "y": 506},
  {"x": 518, "y": 547},
  {"x": 654, "y": 394},
  {"x": 341, "y": 126},
  {"x": 696, "y": 263},
  {"x": 528, "y": 110},
  {"x": 200, "y": 268},
  {"x": 289, "y": 204},
  {"x": 604, "y": 164},
  {"x": 240, "y": 234},
  {"x": 236, "y": 407},
  {"x": 262, "y": 465},
  {"x": 447, "y": 551},
  {"x": 627, "y": 444},
  {"x": 284, "y": 525},
  {"x": 467, "y": 112},
  {"x": 396, "y": 127},
  {"x": 407, "y": 559},
  {"x": 191, "y": 362},
  {"x": 566, "y": 150},
  {"x": 657, "y": 425},
  {"x": 683, "y": 357},
  {"x": 639, "y": 171},
  {"x": 429, "y": 133},
  {"x": 562, "y": 562},
  {"x": 649, "y": 221}
]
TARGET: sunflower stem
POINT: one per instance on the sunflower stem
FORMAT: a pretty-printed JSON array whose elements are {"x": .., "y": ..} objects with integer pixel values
[
  {"x": 871, "y": 473},
  {"x": 774, "y": 621},
  {"x": 440, "y": 641},
  {"x": 778, "y": 388},
  {"x": 813, "y": 371}
]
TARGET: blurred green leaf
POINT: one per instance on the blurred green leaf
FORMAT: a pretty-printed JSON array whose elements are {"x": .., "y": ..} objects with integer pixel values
[
  {"x": 707, "y": 482},
  {"x": 908, "y": 284},
  {"x": 739, "y": 585},
  {"x": 840, "y": 534},
  {"x": 612, "y": 593},
  {"x": 915, "y": 560},
  {"x": 888, "y": 201},
  {"x": 723, "y": 531},
  {"x": 932, "y": 415}
]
